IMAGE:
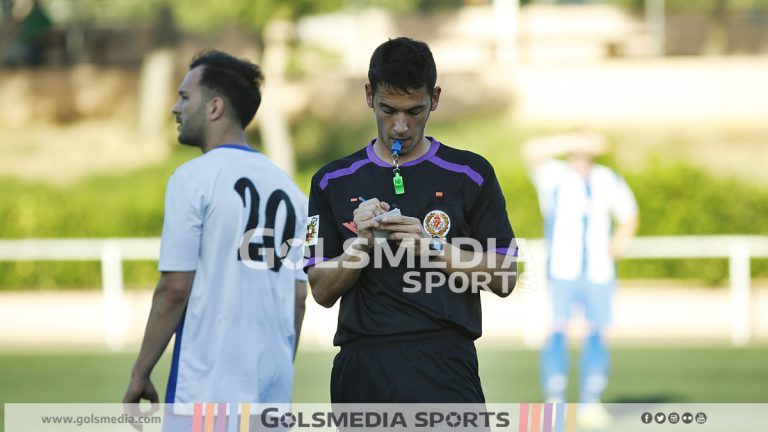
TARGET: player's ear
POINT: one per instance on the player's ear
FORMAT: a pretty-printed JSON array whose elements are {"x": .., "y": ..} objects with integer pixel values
[
  {"x": 215, "y": 108},
  {"x": 369, "y": 95},
  {"x": 435, "y": 98}
]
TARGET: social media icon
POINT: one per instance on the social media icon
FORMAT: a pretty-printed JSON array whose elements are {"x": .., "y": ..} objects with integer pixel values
[
  {"x": 660, "y": 418},
  {"x": 701, "y": 418},
  {"x": 646, "y": 417},
  {"x": 687, "y": 418},
  {"x": 673, "y": 418}
]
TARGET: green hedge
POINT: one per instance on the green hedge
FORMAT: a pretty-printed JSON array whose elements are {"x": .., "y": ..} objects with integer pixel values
[
  {"x": 127, "y": 205},
  {"x": 675, "y": 198}
]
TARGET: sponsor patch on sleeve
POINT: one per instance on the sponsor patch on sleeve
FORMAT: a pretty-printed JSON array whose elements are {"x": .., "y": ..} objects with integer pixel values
[{"x": 313, "y": 229}]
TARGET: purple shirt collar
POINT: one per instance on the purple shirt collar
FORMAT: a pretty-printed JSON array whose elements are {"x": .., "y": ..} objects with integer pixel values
[{"x": 373, "y": 157}]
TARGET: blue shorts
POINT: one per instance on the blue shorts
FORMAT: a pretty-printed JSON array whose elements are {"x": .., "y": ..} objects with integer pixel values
[{"x": 594, "y": 299}]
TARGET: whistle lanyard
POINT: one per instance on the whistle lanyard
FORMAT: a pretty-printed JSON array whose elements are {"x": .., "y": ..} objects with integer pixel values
[{"x": 397, "y": 179}]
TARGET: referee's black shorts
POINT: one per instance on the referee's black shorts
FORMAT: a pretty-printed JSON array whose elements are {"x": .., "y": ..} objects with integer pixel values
[{"x": 428, "y": 367}]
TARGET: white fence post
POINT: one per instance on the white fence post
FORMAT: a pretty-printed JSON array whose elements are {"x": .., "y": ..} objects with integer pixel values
[
  {"x": 112, "y": 281},
  {"x": 740, "y": 293},
  {"x": 533, "y": 283}
]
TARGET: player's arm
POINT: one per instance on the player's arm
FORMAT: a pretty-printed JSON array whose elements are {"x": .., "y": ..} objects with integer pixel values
[
  {"x": 625, "y": 212},
  {"x": 168, "y": 304},
  {"x": 535, "y": 151},
  {"x": 623, "y": 234},
  {"x": 331, "y": 279},
  {"x": 300, "y": 307}
]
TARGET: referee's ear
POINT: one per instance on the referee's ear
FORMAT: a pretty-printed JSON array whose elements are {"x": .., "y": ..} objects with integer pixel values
[
  {"x": 435, "y": 98},
  {"x": 369, "y": 95}
]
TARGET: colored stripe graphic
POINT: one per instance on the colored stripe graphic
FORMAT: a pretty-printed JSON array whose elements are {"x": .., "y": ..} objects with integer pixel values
[
  {"x": 560, "y": 417},
  {"x": 210, "y": 413},
  {"x": 233, "y": 423},
  {"x": 221, "y": 418},
  {"x": 535, "y": 417},
  {"x": 523, "y": 427},
  {"x": 463, "y": 169},
  {"x": 548, "y": 417},
  {"x": 197, "y": 418},
  {"x": 342, "y": 172},
  {"x": 245, "y": 417},
  {"x": 570, "y": 418}
]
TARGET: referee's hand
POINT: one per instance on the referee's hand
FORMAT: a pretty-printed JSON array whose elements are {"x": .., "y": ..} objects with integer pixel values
[
  {"x": 406, "y": 230},
  {"x": 364, "y": 216}
]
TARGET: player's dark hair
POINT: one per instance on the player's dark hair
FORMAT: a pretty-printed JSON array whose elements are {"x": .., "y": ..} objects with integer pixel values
[
  {"x": 237, "y": 81},
  {"x": 403, "y": 65}
]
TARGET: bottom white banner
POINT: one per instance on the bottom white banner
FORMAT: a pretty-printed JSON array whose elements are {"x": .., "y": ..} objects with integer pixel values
[{"x": 521, "y": 417}]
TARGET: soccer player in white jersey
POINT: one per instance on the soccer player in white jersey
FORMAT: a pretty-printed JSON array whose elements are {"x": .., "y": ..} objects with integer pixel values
[
  {"x": 580, "y": 201},
  {"x": 231, "y": 284}
]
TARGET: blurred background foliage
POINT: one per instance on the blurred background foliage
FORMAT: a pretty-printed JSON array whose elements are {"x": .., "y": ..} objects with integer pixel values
[
  {"x": 206, "y": 16},
  {"x": 675, "y": 198}
]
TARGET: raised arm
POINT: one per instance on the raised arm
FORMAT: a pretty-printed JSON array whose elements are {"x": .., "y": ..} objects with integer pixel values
[{"x": 537, "y": 150}]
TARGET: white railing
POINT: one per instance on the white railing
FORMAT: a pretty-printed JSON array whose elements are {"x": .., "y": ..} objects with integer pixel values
[
  {"x": 110, "y": 252},
  {"x": 739, "y": 250}
]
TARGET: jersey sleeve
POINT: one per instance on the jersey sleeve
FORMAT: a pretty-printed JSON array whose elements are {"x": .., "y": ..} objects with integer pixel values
[
  {"x": 301, "y": 217},
  {"x": 624, "y": 205},
  {"x": 182, "y": 227},
  {"x": 549, "y": 174},
  {"x": 322, "y": 238},
  {"x": 488, "y": 219},
  {"x": 546, "y": 177}
]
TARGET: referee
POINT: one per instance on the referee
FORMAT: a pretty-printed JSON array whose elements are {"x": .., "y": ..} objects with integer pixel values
[{"x": 407, "y": 329}]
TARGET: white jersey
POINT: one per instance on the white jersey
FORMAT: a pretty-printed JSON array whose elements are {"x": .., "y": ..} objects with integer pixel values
[
  {"x": 578, "y": 213},
  {"x": 236, "y": 341}
]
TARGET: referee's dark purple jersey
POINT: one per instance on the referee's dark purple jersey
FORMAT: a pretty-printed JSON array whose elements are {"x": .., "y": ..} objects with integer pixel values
[{"x": 459, "y": 183}]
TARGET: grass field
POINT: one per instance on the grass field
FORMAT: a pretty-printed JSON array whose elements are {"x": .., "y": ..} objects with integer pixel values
[{"x": 690, "y": 375}]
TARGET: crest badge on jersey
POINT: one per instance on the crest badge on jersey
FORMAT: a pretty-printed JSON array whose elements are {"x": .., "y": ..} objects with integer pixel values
[
  {"x": 437, "y": 223},
  {"x": 313, "y": 228}
]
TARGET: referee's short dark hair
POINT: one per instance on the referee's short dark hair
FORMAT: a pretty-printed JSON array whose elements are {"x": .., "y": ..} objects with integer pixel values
[
  {"x": 402, "y": 65},
  {"x": 237, "y": 81}
]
